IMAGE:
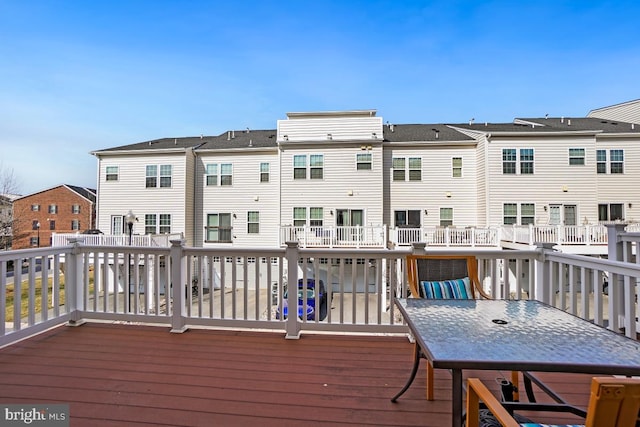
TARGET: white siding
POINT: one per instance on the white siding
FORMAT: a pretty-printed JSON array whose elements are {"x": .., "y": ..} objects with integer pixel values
[
  {"x": 552, "y": 176},
  {"x": 246, "y": 194},
  {"x": 342, "y": 187},
  {"x": 621, "y": 188},
  {"x": 438, "y": 188},
  {"x": 129, "y": 192},
  {"x": 340, "y": 129},
  {"x": 625, "y": 112}
]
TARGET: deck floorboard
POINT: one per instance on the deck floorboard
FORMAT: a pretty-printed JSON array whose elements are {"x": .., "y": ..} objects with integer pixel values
[{"x": 114, "y": 374}]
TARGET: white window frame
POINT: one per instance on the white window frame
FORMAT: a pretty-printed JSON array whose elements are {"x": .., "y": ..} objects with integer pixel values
[
  {"x": 577, "y": 156},
  {"x": 265, "y": 171},
  {"x": 456, "y": 169},
  {"x": 364, "y": 161},
  {"x": 112, "y": 173},
  {"x": 444, "y": 220},
  {"x": 253, "y": 222},
  {"x": 517, "y": 161}
]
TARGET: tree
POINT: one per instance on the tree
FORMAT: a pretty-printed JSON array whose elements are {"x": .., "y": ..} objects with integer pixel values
[{"x": 8, "y": 191}]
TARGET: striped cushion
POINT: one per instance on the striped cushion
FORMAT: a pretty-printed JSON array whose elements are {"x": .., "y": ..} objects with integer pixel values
[
  {"x": 447, "y": 289},
  {"x": 550, "y": 425}
]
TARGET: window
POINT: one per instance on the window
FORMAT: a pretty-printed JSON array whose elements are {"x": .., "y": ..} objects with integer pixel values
[
  {"x": 151, "y": 177},
  {"x": 165, "y": 224},
  {"x": 415, "y": 169},
  {"x": 218, "y": 229},
  {"x": 35, "y": 224},
  {"x": 112, "y": 173},
  {"x": 33, "y": 241},
  {"x": 53, "y": 209},
  {"x": 316, "y": 165},
  {"x": 407, "y": 218},
  {"x": 601, "y": 161},
  {"x": 253, "y": 222},
  {"x": 363, "y": 161},
  {"x": 446, "y": 217},
  {"x": 35, "y": 208},
  {"x": 264, "y": 172},
  {"x": 152, "y": 180},
  {"x": 508, "y": 161},
  {"x": 616, "y": 160},
  {"x": 165, "y": 176},
  {"x": 316, "y": 217},
  {"x": 75, "y": 209},
  {"x": 456, "y": 167},
  {"x": 526, "y": 161},
  {"x": 52, "y": 225},
  {"x": 226, "y": 174},
  {"x": 527, "y": 213},
  {"x": 610, "y": 212},
  {"x": 510, "y": 213},
  {"x": 157, "y": 224},
  {"x": 150, "y": 224},
  {"x": 399, "y": 165},
  {"x": 300, "y": 166},
  {"x": 398, "y": 169},
  {"x": 299, "y": 217},
  {"x": 211, "y": 174},
  {"x": 75, "y": 224},
  {"x": 576, "y": 156}
]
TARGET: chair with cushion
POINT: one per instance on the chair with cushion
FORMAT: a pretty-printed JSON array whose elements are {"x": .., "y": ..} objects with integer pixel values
[
  {"x": 436, "y": 276},
  {"x": 614, "y": 402}
]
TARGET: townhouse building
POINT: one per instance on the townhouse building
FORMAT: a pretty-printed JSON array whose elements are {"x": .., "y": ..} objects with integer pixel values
[
  {"x": 61, "y": 209},
  {"x": 338, "y": 174}
]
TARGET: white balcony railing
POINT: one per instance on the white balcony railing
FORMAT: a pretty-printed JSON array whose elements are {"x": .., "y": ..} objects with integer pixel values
[
  {"x": 158, "y": 240},
  {"x": 183, "y": 286},
  {"x": 335, "y": 237}
]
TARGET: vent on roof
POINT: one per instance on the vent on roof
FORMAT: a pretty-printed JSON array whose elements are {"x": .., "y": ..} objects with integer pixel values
[
  {"x": 233, "y": 134},
  {"x": 437, "y": 132},
  {"x": 471, "y": 120},
  {"x": 228, "y": 135},
  {"x": 546, "y": 116},
  {"x": 250, "y": 143},
  {"x": 568, "y": 122},
  {"x": 392, "y": 128},
  {"x": 175, "y": 141},
  {"x": 248, "y": 130}
]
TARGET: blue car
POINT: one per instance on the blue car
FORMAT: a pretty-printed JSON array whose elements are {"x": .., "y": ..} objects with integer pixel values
[{"x": 316, "y": 301}]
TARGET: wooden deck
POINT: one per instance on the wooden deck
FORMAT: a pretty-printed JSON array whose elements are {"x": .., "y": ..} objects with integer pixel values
[{"x": 116, "y": 375}]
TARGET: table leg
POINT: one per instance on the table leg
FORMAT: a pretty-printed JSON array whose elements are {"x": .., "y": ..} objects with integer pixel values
[
  {"x": 414, "y": 371},
  {"x": 456, "y": 400}
]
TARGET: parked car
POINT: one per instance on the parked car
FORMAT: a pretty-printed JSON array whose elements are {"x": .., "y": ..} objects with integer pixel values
[
  {"x": 316, "y": 301},
  {"x": 92, "y": 231}
]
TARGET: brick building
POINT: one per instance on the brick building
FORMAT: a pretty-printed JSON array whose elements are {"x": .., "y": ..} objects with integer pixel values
[{"x": 61, "y": 209}]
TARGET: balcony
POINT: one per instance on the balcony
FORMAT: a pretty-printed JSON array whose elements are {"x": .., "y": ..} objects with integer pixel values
[{"x": 123, "y": 365}]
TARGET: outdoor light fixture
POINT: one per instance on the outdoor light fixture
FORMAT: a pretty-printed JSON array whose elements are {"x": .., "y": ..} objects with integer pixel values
[{"x": 130, "y": 218}]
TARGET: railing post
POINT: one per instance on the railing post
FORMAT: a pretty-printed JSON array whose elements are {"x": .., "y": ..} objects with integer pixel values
[
  {"x": 292, "y": 325},
  {"x": 542, "y": 287},
  {"x": 615, "y": 251},
  {"x": 418, "y": 248},
  {"x": 74, "y": 289},
  {"x": 178, "y": 286}
]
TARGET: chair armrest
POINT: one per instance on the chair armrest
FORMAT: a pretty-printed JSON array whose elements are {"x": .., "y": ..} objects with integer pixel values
[{"x": 478, "y": 392}]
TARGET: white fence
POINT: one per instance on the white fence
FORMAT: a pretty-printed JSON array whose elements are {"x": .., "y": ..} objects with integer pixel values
[{"x": 184, "y": 287}]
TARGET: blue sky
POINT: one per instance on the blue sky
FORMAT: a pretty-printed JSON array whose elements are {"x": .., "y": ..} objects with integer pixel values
[{"x": 77, "y": 76}]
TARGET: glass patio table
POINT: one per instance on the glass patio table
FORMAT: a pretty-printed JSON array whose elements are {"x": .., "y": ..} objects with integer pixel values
[{"x": 512, "y": 335}]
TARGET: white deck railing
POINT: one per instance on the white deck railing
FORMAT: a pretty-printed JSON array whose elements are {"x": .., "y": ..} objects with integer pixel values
[
  {"x": 182, "y": 287},
  {"x": 335, "y": 237},
  {"x": 160, "y": 240}
]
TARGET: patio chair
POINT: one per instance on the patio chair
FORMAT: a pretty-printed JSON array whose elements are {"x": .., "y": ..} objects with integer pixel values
[
  {"x": 614, "y": 402},
  {"x": 448, "y": 277}
]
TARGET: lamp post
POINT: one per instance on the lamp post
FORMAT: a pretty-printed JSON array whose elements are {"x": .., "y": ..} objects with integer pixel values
[
  {"x": 129, "y": 218},
  {"x": 38, "y": 228}
]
